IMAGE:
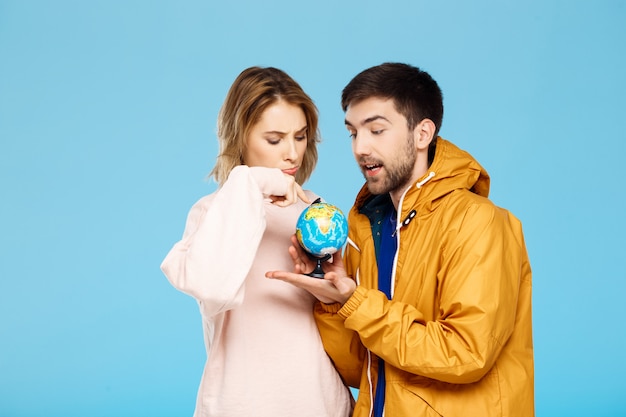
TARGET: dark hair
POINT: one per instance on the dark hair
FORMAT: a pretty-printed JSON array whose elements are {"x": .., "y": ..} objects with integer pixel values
[{"x": 415, "y": 93}]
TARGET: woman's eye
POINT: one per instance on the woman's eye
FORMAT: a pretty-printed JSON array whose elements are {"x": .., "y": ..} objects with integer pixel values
[
  {"x": 273, "y": 141},
  {"x": 301, "y": 138},
  {"x": 377, "y": 132}
]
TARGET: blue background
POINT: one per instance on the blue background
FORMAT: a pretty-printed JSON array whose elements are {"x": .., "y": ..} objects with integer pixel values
[{"x": 107, "y": 129}]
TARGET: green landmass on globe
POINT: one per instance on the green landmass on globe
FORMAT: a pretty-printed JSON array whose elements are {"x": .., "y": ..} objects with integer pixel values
[{"x": 322, "y": 229}]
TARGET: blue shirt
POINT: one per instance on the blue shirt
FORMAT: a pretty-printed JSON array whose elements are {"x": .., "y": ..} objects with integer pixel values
[{"x": 388, "y": 246}]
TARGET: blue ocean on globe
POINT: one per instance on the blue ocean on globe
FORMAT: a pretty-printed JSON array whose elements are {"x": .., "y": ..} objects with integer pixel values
[{"x": 322, "y": 229}]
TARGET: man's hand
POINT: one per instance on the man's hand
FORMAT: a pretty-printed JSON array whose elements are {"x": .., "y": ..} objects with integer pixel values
[{"x": 336, "y": 287}]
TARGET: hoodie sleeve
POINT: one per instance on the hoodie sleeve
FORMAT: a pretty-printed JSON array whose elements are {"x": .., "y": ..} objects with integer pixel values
[{"x": 221, "y": 238}]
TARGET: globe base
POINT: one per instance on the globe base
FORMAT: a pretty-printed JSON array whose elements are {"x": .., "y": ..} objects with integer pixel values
[{"x": 318, "y": 272}]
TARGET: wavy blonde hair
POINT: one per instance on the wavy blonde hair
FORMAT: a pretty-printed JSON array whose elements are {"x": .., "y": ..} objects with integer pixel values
[{"x": 253, "y": 91}]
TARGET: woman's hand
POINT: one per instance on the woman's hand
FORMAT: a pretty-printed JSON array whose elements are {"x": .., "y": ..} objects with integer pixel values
[{"x": 294, "y": 191}]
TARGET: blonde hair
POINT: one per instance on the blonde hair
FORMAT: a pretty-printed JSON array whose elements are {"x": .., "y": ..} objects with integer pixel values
[{"x": 254, "y": 90}]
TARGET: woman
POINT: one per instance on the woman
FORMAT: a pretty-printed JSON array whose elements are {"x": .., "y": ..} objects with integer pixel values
[{"x": 264, "y": 354}]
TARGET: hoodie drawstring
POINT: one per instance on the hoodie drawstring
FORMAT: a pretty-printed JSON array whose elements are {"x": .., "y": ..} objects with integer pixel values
[{"x": 425, "y": 180}]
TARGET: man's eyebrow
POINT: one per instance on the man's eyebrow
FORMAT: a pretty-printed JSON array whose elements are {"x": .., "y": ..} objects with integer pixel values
[{"x": 368, "y": 120}]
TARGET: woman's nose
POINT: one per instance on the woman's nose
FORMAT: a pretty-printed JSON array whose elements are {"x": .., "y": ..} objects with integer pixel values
[{"x": 291, "y": 151}]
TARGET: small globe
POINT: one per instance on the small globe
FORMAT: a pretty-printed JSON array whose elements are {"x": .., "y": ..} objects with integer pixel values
[{"x": 322, "y": 229}]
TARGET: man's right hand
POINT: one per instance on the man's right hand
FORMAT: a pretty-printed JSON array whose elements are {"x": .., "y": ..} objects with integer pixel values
[{"x": 335, "y": 287}]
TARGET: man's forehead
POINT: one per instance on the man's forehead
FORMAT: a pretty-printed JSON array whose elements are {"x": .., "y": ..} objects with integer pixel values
[{"x": 370, "y": 110}]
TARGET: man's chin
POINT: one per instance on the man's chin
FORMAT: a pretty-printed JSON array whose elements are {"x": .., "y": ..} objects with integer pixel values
[{"x": 376, "y": 187}]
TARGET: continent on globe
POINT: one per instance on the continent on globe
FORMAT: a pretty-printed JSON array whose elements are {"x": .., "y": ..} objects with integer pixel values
[{"x": 322, "y": 229}]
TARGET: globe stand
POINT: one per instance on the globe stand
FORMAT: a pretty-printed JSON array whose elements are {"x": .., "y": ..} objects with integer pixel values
[{"x": 318, "y": 272}]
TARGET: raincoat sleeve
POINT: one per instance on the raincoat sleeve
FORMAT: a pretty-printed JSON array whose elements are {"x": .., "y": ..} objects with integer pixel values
[
  {"x": 221, "y": 237},
  {"x": 478, "y": 285},
  {"x": 342, "y": 344}
]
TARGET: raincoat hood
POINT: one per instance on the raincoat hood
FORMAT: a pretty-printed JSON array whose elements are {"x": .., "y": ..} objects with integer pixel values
[{"x": 452, "y": 169}]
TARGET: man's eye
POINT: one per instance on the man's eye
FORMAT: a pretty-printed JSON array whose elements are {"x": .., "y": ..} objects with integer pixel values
[{"x": 377, "y": 132}]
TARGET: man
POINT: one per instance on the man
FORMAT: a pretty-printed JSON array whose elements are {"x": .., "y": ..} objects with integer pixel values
[{"x": 431, "y": 315}]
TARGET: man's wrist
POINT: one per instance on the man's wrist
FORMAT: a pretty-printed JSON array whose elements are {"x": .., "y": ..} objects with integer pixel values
[{"x": 353, "y": 302}]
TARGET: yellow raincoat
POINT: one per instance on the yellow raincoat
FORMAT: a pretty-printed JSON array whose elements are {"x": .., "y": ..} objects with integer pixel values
[{"x": 456, "y": 337}]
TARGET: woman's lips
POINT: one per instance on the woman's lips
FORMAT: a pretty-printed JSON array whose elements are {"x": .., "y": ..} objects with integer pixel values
[{"x": 290, "y": 171}]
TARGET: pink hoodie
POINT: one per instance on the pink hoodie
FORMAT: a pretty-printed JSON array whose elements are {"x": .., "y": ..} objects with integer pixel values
[{"x": 264, "y": 354}]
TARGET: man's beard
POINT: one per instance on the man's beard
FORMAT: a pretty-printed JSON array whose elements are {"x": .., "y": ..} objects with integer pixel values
[{"x": 398, "y": 171}]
